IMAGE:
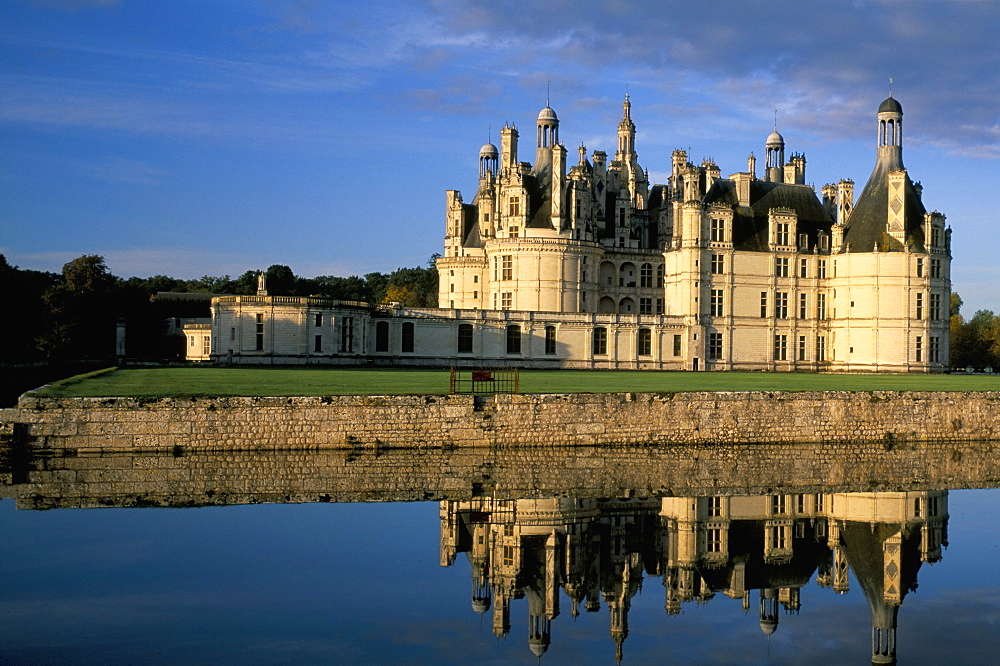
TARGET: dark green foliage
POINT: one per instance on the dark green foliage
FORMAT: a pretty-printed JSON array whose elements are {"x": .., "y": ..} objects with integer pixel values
[
  {"x": 976, "y": 342},
  {"x": 72, "y": 316}
]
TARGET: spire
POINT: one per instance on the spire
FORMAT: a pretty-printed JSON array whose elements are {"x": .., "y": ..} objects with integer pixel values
[{"x": 626, "y": 132}]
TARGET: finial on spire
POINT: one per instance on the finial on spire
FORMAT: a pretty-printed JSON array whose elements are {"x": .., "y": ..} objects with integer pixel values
[
  {"x": 775, "y": 119},
  {"x": 548, "y": 90},
  {"x": 890, "y": 86}
]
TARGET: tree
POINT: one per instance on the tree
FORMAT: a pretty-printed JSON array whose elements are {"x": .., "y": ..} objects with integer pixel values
[{"x": 81, "y": 312}]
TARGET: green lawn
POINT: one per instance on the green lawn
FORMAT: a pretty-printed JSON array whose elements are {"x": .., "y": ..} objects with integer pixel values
[{"x": 355, "y": 381}]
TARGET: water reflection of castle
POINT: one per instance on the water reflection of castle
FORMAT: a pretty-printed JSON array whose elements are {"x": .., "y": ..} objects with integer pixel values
[{"x": 598, "y": 550}]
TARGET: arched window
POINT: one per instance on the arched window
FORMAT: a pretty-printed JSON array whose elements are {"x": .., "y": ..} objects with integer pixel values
[{"x": 382, "y": 336}]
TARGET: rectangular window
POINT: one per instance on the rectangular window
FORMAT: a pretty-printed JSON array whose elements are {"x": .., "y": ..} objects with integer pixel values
[
  {"x": 714, "y": 507},
  {"x": 821, "y": 268},
  {"x": 514, "y": 206},
  {"x": 382, "y": 336},
  {"x": 777, "y": 505},
  {"x": 802, "y": 347},
  {"x": 646, "y": 275},
  {"x": 920, "y": 267},
  {"x": 803, "y": 268},
  {"x": 506, "y": 300},
  {"x": 514, "y": 231},
  {"x": 716, "y": 303},
  {"x": 821, "y": 348},
  {"x": 781, "y": 304},
  {"x": 935, "y": 308},
  {"x": 781, "y": 266},
  {"x": 232, "y": 334},
  {"x": 714, "y": 346},
  {"x": 600, "y": 341},
  {"x": 781, "y": 348},
  {"x": 677, "y": 345},
  {"x": 717, "y": 230},
  {"x": 659, "y": 306},
  {"x": 718, "y": 264},
  {"x": 550, "y": 339},
  {"x": 920, "y": 306},
  {"x": 824, "y": 242},
  {"x": 260, "y": 332},
  {"x": 803, "y": 243},
  {"x": 206, "y": 345},
  {"x": 347, "y": 334},
  {"x": 465, "y": 338},
  {"x": 782, "y": 233},
  {"x": 935, "y": 268},
  {"x": 644, "y": 342},
  {"x": 935, "y": 350},
  {"x": 659, "y": 276},
  {"x": 319, "y": 319},
  {"x": 803, "y": 302},
  {"x": 406, "y": 339},
  {"x": 821, "y": 306},
  {"x": 763, "y": 304},
  {"x": 645, "y": 306},
  {"x": 918, "y": 349},
  {"x": 318, "y": 346},
  {"x": 507, "y": 269},
  {"x": 513, "y": 339},
  {"x": 713, "y": 540}
]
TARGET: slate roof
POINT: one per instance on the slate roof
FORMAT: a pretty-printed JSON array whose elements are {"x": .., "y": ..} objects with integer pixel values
[
  {"x": 750, "y": 230},
  {"x": 866, "y": 226}
]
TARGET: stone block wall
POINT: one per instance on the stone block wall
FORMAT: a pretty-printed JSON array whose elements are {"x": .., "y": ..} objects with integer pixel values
[
  {"x": 432, "y": 421},
  {"x": 194, "y": 478}
]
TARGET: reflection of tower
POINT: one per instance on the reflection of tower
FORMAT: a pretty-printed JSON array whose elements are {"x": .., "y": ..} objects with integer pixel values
[
  {"x": 885, "y": 539},
  {"x": 768, "y": 610}
]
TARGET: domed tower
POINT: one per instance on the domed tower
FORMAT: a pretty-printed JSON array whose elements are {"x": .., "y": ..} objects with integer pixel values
[
  {"x": 774, "y": 149},
  {"x": 890, "y": 133},
  {"x": 548, "y": 127},
  {"x": 489, "y": 161}
]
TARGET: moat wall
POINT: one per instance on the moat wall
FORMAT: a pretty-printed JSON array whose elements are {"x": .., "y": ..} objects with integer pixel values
[{"x": 350, "y": 422}]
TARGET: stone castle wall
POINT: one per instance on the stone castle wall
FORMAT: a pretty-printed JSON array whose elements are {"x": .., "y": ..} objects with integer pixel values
[
  {"x": 332, "y": 422},
  {"x": 194, "y": 478}
]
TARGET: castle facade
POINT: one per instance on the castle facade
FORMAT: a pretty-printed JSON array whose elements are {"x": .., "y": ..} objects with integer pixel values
[{"x": 592, "y": 266}]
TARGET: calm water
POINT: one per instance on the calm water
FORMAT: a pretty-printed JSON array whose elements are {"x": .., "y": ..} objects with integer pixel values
[{"x": 784, "y": 579}]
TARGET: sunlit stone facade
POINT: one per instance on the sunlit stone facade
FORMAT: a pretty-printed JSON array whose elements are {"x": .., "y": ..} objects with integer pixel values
[{"x": 591, "y": 266}]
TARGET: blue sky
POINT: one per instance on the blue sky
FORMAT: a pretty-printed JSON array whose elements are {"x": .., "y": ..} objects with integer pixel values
[{"x": 196, "y": 137}]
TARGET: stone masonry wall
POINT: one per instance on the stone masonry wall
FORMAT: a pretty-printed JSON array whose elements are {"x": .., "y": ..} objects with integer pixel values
[
  {"x": 241, "y": 423},
  {"x": 194, "y": 478}
]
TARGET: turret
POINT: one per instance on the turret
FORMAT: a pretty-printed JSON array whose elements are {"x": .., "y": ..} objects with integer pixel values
[
  {"x": 626, "y": 133},
  {"x": 489, "y": 158},
  {"x": 547, "y": 129},
  {"x": 890, "y": 133},
  {"x": 774, "y": 149}
]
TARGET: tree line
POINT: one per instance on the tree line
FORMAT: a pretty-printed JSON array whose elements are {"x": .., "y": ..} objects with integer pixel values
[
  {"x": 73, "y": 315},
  {"x": 974, "y": 343}
]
